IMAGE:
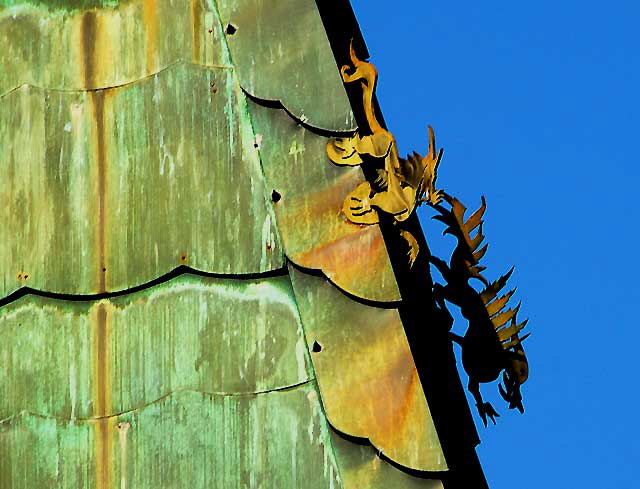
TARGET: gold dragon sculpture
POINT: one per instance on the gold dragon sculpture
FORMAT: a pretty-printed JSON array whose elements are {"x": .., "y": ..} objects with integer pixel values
[
  {"x": 491, "y": 344},
  {"x": 401, "y": 184}
]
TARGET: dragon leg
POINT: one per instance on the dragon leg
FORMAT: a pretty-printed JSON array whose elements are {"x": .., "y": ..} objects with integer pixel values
[
  {"x": 442, "y": 311},
  {"x": 485, "y": 409}
]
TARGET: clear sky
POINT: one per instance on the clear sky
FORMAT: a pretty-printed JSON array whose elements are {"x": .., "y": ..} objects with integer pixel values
[{"x": 536, "y": 106}]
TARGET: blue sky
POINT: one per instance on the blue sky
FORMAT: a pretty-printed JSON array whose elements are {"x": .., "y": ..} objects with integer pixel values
[{"x": 536, "y": 106}]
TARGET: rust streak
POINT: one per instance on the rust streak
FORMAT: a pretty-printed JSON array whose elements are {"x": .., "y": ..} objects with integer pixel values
[
  {"x": 339, "y": 252},
  {"x": 196, "y": 26},
  {"x": 98, "y": 107},
  {"x": 102, "y": 399},
  {"x": 101, "y": 360},
  {"x": 150, "y": 22},
  {"x": 88, "y": 34},
  {"x": 101, "y": 367},
  {"x": 103, "y": 453}
]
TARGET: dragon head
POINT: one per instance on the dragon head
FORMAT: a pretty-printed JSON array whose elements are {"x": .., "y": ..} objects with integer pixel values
[{"x": 515, "y": 374}]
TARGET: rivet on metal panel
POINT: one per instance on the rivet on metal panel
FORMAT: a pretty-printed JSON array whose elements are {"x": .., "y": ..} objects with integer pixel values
[
  {"x": 231, "y": 29},
  {"x": 275, "y": 196},
  {"x": 258, "y": 141}
]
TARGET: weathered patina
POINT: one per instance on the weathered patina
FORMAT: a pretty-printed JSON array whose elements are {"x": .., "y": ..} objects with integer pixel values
[
  {"x": 106, "y": 190},
  {"x": 310, "y": 192},
  {"x": 141, "y": 136}
]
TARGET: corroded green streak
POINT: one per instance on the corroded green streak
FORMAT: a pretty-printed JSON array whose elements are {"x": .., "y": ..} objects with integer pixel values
[
  {"x": 105, "y": 47},
  {"x": 187, "y": 439},
  {"x": 63, "y": 4},
  {"x": 151, "y": 171},
  {"x": 180, "y": 177},
  {"x": 210, "y": 335}
]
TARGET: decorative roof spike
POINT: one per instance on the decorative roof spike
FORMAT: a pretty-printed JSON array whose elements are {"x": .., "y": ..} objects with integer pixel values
[
  {"x": 496, "y": 306},
  {"x": 490, "y": 292}
]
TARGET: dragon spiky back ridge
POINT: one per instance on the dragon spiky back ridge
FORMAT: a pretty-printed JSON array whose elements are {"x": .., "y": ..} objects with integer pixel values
[{"x": 491, "y": 344}]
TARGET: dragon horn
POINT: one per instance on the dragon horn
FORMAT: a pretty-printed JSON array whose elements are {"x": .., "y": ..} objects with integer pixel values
[{"x": 432, "y": 141}]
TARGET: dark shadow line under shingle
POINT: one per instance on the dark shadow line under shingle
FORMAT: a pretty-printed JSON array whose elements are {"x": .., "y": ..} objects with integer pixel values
[
  {"x": 367, "y": 302},
  {"x": 176, "y": 272},
  {"x": 278, "y": 105}
]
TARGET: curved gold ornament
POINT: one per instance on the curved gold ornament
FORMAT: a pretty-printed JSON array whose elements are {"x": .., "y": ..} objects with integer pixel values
[{"x": 402, "y": 184}]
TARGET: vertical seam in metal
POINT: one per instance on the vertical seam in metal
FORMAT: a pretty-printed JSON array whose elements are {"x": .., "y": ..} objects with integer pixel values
[{"x": 245, "y": 112}]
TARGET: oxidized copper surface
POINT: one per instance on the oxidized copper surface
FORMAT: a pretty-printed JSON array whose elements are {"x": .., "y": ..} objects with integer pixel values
[
  {"x": 310, "y": 193},
  {"x": 367, "y": 377}
]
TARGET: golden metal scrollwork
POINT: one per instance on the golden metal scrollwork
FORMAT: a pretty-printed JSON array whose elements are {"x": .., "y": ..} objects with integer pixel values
[{"x": 401, "y": 184}]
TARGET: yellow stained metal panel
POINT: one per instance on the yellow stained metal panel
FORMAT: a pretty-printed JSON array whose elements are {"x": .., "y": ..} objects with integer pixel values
[
  {"x": 361, "y": 467},
  {"x": 76, "y": 360},
  {"x": 281, "y": 52},
  {"x": 368, "y": 381},
  {"x": 311, "y": 190},
  {"x": 79, "y": 47},
  {"x": 109, "y": 189}
]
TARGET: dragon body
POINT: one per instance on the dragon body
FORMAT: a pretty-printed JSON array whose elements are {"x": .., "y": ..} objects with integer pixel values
[{"x": 491, "y": 344}]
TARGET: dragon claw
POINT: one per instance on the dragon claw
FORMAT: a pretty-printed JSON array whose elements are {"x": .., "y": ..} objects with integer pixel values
[
  {"x": 512, "y": 393},
  {"x": 485, "y": 410}
]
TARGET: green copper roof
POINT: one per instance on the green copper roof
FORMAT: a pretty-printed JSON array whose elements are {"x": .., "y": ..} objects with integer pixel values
[
  {"x": 136, "y": 180},
  {"x": 308, "y": 214},
  {"x": 222, "y": 336},
  {"x": 140, "y": 142},
  {"x": 187, "y": 439},
  {"x": 282, "y": 53}
]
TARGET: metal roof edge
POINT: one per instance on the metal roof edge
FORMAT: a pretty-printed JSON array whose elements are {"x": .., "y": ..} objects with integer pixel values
[{"x": 431, "y": 349}]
